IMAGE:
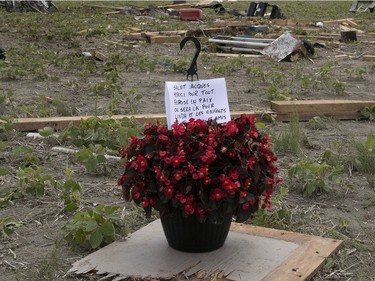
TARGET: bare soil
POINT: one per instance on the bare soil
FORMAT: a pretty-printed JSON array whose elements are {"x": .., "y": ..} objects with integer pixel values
[{"x": 36, "y": 250}]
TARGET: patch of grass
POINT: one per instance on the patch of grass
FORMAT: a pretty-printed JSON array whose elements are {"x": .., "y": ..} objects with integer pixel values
[
  {"x": 290, "y": 140},
  {"x": 228, "y": 66},
  {"x": 365, "y": 158}
]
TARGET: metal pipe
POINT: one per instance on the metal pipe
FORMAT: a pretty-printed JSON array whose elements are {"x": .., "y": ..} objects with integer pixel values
[
  {"x": 265, "y": 40},
  {"x": 241, "y": 50},
  {"x": 239, "y": 43}
]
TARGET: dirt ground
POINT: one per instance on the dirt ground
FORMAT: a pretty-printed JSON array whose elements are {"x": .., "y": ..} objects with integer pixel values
[{"x": 36, "y": 250}]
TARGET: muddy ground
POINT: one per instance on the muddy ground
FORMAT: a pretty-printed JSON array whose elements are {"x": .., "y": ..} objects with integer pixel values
[{"x": 42, "y": 66}]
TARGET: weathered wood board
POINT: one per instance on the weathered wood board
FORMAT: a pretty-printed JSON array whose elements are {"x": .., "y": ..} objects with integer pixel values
[
  {"x": 368, "y": 57},
  {"x": 306, "y": 109},
  {"x": 58, "y": 123},
  {"x": 250, "y": 253}
]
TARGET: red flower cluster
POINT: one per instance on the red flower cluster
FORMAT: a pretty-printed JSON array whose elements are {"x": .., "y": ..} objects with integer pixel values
[{"x": 201, "y": 168}]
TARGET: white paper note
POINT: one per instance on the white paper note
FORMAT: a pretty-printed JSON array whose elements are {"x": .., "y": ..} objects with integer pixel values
[{"x": 203, "y": 99}]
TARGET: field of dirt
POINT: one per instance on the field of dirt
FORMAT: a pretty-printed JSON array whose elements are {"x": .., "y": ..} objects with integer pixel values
[{"x": 47, "y": 74}]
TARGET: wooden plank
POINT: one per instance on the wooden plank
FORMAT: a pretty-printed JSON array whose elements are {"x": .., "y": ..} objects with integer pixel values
[
  {"x": 225, "y": 55},
  {"x": 233, "y": 24},
  {"x": 368, "y": 58},
  {"x": 58, "y": 123},
  {"x": 305, "y": 261},
  {"x": 318, "y": 106},
  {"x": 306, "y": 116},
  {"x": 291, "y": 22},
  {"x": 165, "y": 39},
  {"x": 186, "y": 5},
  {"x": 105, "y": 7},
  {"x": 339, "y": 20}
]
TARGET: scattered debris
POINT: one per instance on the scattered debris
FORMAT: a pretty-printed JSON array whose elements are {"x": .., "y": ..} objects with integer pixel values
[
  {"x": 100, "y": 56},
  {"x": 362, "y": 6},
  {"x": 348, "y": 36},
  {"x": 259, "y": 10},
  {"x": 282, "y": 47},
  {"x": 2, "y": 54},
  {"x": 191, "y": 14},
  {"x": 40, "y": 6},
  {"x": 240, "y": 44}
]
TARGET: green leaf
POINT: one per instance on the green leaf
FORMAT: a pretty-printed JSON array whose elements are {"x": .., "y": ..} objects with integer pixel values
[
  {"x": 91, "y": 164},
  {"x": 3, "y": 144},
  {"x": 71, "y": 185},
  {"x": 21, "y": 150},
  {"x": 260, "y": 125},
  {"x": 90, "y": 226},
  {"x": 107, "y": 229},
  {"x": 46, "y": 131},
  {"x": 84, "y": 154},
  {"x": 71, "y": 207},
  {"x": 96, "y": 239},
  {"x": 101, "y": 158},
  {"x": 4, "y": 171}
]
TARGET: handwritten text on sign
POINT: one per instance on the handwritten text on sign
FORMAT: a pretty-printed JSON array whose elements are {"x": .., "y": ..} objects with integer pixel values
[{"x": 204, "y": 99}]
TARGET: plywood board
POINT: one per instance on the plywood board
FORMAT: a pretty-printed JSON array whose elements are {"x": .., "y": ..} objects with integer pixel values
[
  {"x": 58, "y": 123},
  {"x": 319, "y": 106},
  {"x": 250, "y": 253}
]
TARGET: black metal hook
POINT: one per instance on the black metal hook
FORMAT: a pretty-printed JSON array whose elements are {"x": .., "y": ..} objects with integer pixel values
[{"x": 192, "y": 70}]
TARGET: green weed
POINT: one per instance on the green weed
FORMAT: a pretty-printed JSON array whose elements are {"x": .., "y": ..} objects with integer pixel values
[
  {"x": 70, "y": 191},
  {"x": 315, "y": 177},
  {"x": 365, "y": 158},
  {"x": 368, "y": 113},
  {"x": 95, "y": 228},
  {"x": 8, "y": 226},
  {"x": 33, "y": 181},
  {"x": 94, "y": 156},
  {"x": 105, "y": 131},
  {"x": 278, "y": 216},
  {"x": 290, "y": 140}
]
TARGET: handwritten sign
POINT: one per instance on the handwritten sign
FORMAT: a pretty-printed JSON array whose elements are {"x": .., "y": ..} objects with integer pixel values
[{"x": 204, "y": 99}]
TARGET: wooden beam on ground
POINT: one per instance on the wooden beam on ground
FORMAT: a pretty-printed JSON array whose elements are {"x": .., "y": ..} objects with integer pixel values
[
  {"x": 232, "y": 24},
  {"x": 339, "y": 20},
  {"x": 368, "y": 58},
  {"x": 162, "y": 39},
  {"x": 105, "y": 7},
  {"x": 186, "y": 5},
  {"x": 307, "y": 109},
  {"x": 58, "y": 123}
]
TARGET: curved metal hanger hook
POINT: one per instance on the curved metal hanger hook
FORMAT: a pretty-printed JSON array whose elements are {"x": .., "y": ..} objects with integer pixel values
[{"x": 192, "y": 70}]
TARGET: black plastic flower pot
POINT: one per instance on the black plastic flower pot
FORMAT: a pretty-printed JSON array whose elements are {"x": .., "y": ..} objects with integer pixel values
[{"x": 189, "y": 235}]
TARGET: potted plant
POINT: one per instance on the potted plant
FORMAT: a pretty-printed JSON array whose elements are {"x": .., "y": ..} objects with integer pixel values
[{"x": 198, "y": 175}]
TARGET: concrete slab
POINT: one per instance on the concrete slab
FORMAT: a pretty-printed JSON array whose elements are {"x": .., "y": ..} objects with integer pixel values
[{"x": 245, "y": 256}]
